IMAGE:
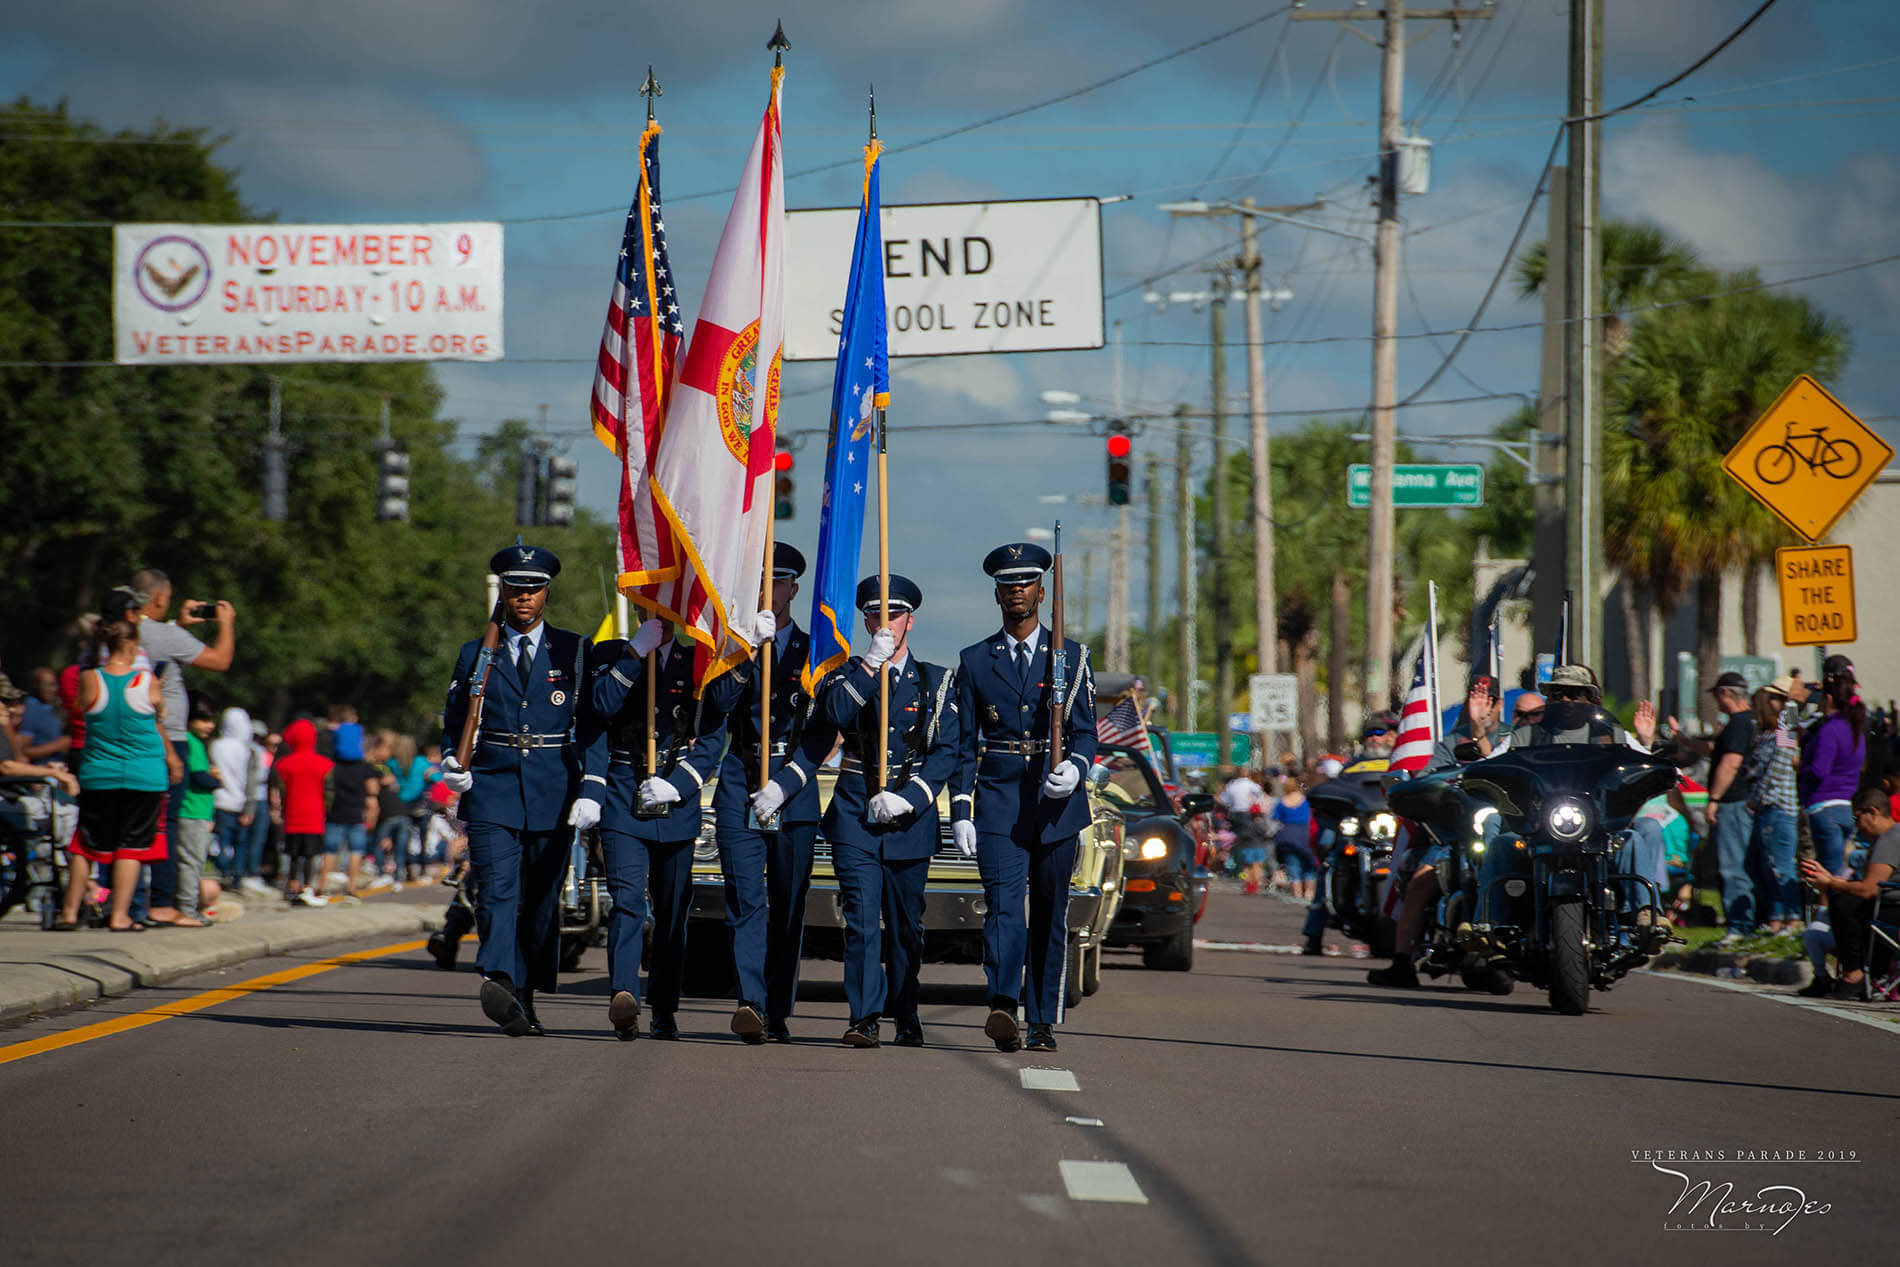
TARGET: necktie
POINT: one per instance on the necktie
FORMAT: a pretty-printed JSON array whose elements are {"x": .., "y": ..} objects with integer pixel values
[
  {"x": 524, "y": 661},
  {"x": 1022, "y": 663}
]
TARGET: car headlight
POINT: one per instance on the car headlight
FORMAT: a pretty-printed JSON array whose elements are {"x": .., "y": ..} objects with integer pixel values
[
  {"x": 1567, "y": 820},
  {"x": 1349, "y": 826},
  {"x": 1383, "y": 826},
  {"x": 1153, "y": 848}
]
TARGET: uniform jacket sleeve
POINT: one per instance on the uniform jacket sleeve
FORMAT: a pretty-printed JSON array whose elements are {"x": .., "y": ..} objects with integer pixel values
[
  {"x": 942, "y": 757},
  {"x": 842, "y": 697},
  {"x": 1079, "y": 739},
  {"x": 455, "y": 711},
  {"x": 963, "y": 773},
  {"x": 814, "y": 745},
  {"x": 613, "y": 674},
  {"x": 590, "y": 729}
]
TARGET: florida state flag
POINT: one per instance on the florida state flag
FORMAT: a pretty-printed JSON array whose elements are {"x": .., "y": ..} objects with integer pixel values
[{"x": 711, "y": 476}]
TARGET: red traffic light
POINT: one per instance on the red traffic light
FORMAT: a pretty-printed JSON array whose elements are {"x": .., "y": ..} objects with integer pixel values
[
  {"x": 782, "y": 460},
  {"x": 1118, "y": 446}
]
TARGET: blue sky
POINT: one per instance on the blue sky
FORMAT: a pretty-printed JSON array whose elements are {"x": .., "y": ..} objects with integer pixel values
[{"x": 1777, "y": 156}]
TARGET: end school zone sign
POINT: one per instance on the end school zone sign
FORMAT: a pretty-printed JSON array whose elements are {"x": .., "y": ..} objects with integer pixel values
[{"x": 959, "y": 277}]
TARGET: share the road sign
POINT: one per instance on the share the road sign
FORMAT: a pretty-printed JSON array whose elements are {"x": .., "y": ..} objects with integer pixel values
[
  {"x": 1807, "y": 458},
  {"x": 1817, "y": 595},
  {"x": 1420, "y": 484}
]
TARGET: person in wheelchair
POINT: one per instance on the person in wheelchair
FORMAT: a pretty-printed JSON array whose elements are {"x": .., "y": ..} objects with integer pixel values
[{"x": 1851, "y": 902}]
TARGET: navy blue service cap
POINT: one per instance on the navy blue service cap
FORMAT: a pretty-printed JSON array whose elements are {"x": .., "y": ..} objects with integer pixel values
[
  {"x": 1017, "y": 563},
  {"x": 525, "y": 567},
  {"x": 787, "y": 563},
  {"x": 905, "y": 596}
]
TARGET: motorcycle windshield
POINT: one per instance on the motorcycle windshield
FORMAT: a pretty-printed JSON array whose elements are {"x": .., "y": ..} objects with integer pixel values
[
  {"x": 1521, "y": 781},
  {"x": 1347, "y": 795}
]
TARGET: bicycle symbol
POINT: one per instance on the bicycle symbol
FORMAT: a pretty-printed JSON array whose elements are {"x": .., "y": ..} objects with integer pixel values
[{"x": 1836, "y": 459}]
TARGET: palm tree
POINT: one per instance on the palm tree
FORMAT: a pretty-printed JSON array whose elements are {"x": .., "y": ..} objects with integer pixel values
[
  {"x": 1695, "y": 377},
  {"x": 1642, "y": 264}
]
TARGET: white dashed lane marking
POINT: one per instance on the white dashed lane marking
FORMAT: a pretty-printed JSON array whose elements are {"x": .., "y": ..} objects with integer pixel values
[
  {"x": 1101, "y": 1181},
  {"x": 1083, "y": 1121},
  {"x": 1049, "y": 1080}
]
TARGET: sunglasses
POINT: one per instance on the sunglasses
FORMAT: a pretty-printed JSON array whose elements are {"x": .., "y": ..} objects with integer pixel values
[
  {"x": 1567, "y": 693},
  {"x": 1530, "y": 714}
]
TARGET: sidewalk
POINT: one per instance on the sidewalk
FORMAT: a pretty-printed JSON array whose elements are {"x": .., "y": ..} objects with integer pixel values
[{"x": 45, "y": 971}]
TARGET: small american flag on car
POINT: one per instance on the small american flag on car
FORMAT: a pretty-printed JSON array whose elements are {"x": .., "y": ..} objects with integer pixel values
[{"x": 1123, "y": 725}]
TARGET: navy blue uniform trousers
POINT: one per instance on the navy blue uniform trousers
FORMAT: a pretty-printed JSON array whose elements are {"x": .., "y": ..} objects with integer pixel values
[
  {"x": 768, "y": 877},
  {"x": 518, "y": 907},
  {"x": 1024, "y": 955},
  {"x": 872, "y": 886},
  {"x": 632, "y": 865}
]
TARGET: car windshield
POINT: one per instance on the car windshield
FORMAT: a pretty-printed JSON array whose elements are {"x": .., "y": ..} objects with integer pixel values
[{"x": 1128, "y": 788}]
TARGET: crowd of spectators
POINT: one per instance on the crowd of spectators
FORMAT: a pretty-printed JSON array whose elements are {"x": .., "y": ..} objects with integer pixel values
[{"x": 162, "y": 804}]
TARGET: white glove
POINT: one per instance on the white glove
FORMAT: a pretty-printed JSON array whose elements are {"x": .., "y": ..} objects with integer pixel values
[
  {"x": 657, "y": 792},
  {"x": 647, "y": 638},
  {"x": 888, "y": 807},
  {"x": 764, "y": 627},
  {"x": 883, "y": 647},
  {"x": 454, "y": 777},
  {"x": 767, "y": 800},
  {"x": 585, "y": 814},
  {"x": 964, "y": 834},
  {"x": 1061, "y": 781}
]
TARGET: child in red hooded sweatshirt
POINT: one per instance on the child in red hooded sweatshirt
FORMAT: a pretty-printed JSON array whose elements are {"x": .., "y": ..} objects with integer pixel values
[{"x": 298, "y": 787}]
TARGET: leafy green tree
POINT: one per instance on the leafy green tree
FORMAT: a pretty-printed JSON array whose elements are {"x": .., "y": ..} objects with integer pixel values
[{"x": 113, "y": 467}]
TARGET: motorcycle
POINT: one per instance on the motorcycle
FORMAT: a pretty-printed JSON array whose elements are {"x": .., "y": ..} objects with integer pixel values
[
  {"x": 584, "y": 900},
  {"x": 1532, "y": 835},
  {"x": 1358, "y": 869}
]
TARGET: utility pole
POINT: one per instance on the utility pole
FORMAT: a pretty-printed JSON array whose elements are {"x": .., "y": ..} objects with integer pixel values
[
  {"x": 1217, "y": 487},
  {"x": 1154, "y": 573},
  {"x": 1583, "y": 347},
  {"x": 1385, "y": 319},
  {"x": 1266, "y": 619},
  {"x": 1549, "y": 558},
  {"x": 1184, "y": 564}
]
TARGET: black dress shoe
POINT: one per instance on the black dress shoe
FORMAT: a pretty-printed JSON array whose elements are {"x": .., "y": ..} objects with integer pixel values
[
  {"x": 443, "y": 949},
  {"x": 1041, "y": 1038},
  {"x": 910, "y": 1033},
  {"x": 748, "y": 1022},
  {"x": 664, "y": 1027},
  {"x": 861, "y": 1033},
  {"x": 527, "y": 1010},
  {"x": 500, "y": 1005},
  {"x": 1001, "y": 1029},
  {"x": 1400, "y": 974},
  {"x": 623, "y": 1013},
  {"x": 778, "y": 1032},
  {"x": 1313, "y": 946}
]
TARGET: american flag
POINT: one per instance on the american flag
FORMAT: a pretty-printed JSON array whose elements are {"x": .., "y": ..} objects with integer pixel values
[
  {"x": 1417, "y": 729},
  {"x": 1122, "y": 725},
  {"x": 634, "y": 375}
]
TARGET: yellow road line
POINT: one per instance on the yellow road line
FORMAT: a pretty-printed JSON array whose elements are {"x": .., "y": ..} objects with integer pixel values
[{"x": 196, "y": 1003}]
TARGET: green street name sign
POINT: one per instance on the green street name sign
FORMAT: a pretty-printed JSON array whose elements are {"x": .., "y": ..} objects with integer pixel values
[
  {"x": 1420, "y": 484},
  {"x": 1197, "y": 747}
]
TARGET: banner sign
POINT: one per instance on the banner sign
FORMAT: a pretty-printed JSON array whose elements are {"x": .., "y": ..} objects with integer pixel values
[
  {"x": 959, "y": 277},
  {"x": 208, "y": 294}
]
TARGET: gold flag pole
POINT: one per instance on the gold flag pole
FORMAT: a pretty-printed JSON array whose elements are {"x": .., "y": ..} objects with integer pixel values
[
  {"x": 765, "y": 658},
  {"x": 884, "y": 609}
]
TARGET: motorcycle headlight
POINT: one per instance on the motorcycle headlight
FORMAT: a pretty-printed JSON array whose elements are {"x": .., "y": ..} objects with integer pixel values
[
  {"x": 1153, "y": 848},
  {"x": 1349, "y": 826},
  {"x": 1382, "y": 827},
  {"x": 1567, "y": 820}
]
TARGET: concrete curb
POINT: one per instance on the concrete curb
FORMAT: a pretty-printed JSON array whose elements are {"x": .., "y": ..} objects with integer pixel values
[
  {"x": 1766, "y": 969},
  {"x": 68, "y": 978}
]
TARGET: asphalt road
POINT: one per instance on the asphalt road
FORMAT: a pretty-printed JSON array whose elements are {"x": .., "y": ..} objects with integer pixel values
[{"x": 1264, "y": 1108}]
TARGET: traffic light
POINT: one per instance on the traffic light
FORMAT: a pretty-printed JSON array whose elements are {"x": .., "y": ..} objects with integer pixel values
[
  {"x": 1118, "y": 447},
  {"x": 276, "y": 481},
  {"x": 528, "y": 489},
  {"x": 782, "y": 489},
  {"x": 392, "y": 483},
  {"x": 561, "y": 476}
]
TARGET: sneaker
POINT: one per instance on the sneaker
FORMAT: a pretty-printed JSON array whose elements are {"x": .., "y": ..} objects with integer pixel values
[
  {"x": 1728, "y": 939},
  {"x": 1819, "y": 988},
  {"x": 1849, "y": 991},
  {"x": 251, "y": 884},
  {"x": 380, "y": 882},
  {"x": 312, "y": 899}
]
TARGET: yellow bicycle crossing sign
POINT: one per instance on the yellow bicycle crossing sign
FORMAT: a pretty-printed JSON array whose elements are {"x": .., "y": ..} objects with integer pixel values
[{"x": 1807, "y": 458}]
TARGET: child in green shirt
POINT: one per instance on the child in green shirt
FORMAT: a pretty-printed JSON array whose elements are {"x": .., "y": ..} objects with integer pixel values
[{"x": 196, "y": 809}]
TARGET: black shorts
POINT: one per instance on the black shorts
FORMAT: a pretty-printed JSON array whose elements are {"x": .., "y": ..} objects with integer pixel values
[
  {"x": 300, "y": 844},
  {"x": 118, "y": 823}
]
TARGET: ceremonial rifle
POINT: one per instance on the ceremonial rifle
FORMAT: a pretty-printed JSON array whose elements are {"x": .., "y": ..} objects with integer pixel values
[
  {"x": 1058, "y": 662},
  {"x": 478, "y": 689}
]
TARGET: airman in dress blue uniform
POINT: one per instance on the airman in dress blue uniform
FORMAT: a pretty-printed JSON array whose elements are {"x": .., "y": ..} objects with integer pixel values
[
  {"x": 1018, "y": 815},
  {"x": 522, "y": 785},
  {"x": 882, "y": 838},
  {"x": 768, "y": 869},
  {"x": 651, "y": 816}
]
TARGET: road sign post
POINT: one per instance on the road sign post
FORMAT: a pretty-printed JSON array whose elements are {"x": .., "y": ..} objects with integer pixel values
[
  {"x": 1807, "y": 458},
  {"x": 1419, "y": 484},
  {"x": 1817, "y": 595}
]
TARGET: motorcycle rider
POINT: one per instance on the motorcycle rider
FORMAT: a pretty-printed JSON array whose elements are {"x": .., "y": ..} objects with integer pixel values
[
  {"x": 1376, "y": 740},
  {"x": 1572, "y": 714}
]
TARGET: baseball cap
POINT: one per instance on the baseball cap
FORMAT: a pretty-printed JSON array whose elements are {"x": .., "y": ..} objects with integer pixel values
[
  {"x": 1330, "y": 766},
  {"x": 1730, "y": 681},
  {"x": 1486, "y": 683}
]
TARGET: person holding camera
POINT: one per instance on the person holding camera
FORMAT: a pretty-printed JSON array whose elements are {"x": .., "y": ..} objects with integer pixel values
[{"x": 170, "y": 649}]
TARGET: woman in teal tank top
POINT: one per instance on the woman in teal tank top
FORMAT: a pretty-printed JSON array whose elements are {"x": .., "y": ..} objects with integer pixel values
[{"x": 124, "y": 770}]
